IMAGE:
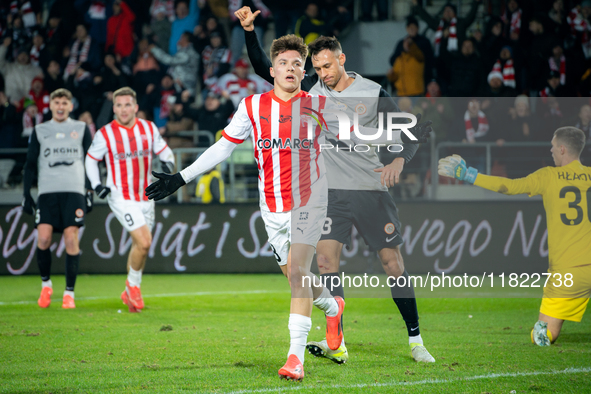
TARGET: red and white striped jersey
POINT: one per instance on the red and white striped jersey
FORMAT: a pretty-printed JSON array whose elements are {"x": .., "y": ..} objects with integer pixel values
[
  {"x": 129, "y": 156},
  {"x": 291, "y": 168}
]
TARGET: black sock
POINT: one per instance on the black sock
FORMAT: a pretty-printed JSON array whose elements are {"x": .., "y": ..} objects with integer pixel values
[
  {"x": 334, "y": 290},
  {"x": 405, "y": 300},
  {"x": 72, "y": 263},
  {"x": 44, "y": 263}
]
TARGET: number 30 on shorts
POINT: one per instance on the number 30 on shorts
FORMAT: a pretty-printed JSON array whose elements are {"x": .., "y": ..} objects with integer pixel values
[
  {"x": 327, "y": 227},
  {"x": 128, "y": 219}
]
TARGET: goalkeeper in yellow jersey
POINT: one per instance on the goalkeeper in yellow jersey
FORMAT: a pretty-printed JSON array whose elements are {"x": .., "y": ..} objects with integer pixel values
[{"x": 566, "y": 190}]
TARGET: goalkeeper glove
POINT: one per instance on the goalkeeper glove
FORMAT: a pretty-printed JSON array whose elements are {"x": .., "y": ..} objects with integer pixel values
[
  {"x": 102, "y": 191},
  {"x": 420, "y": 131},
  {"x": 164, "y": 186},
  {"x": 455, "y": 167}
]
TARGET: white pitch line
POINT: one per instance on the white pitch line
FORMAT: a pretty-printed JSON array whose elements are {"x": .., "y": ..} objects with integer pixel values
[
  {"x": 567, "y": 371},
  {"x": 200, "y": 293}
]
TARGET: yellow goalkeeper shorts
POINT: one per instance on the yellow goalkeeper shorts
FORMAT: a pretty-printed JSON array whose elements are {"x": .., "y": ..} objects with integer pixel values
[{"x": 566, "y": 296}]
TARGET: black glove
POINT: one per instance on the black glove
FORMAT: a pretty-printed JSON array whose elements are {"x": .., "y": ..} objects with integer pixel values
[
  {"x": 420, "y": 131},
  {"x": 167, "y": 167},
  {"x": 164, "y": 186},
  {"x": 89, "y": 200},
  {"x": 29, "y": 204},
  {"x": 102, "y": 191}
]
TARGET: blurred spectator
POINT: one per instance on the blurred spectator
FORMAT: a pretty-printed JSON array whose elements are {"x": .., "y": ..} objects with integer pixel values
[
  {"x": 537, "y": 58},
  {"x": 584, "y": 120},
  {"x": 466, "y": 72},
  {"x": 146, "y": 71},
  {"x": 310, "y": 26},
  {"x": 162, "y": 7},
  {"x": 553, "y": 87},
  {"x": 201, "y": 36},
  {"x": 120, "y": 33},
  {"x": 184, "y": 64},
  {"x": 506, "y": 67},
  {"x": 110, "y": 79},
  {"x": 56, "y": 37},
  {"x": 180, "y": 118},
  {"x": 512, "y": 18},
  {"x": 9, "y": 123},
  {"x": 405, "y": 104},
  {"x": 493, "y": 42},
  {"x": 565, "y": 67},
  {"x": 187, "y": 16},
  {"x": 160, "y": 27},
  {"x": 84, "y": 49},
  {"x": 520, "y": 126},
  {"x": 408, "y": 72},
  {"x": 367, "y": 8},
  {"x": 28, "y": 10},
  {"x": 337, "y": 15},
  {"x": 53, "y": 77},
  {"x": 39, "y": 54},
  {"x": 580, "y": 27},
  {"x": 557, "y": 18},
  {"x": 39, "y": 95},
  {"x": 80, "y": 83},
  {"x": 19, "y": 74},
  {"x": 412, "y": 29},
  {"x": 237, "y": 40},
  {"x": 476, "y": 125},
  {"x": 31, "y": 117},
  {"x": 285, "y": 16},
  {"x": 240, "y": 84},
  {"x": 496, "y": 87},
  {"x": 21, "y": 36},
  {"x": 450, "y": 31},
  {"x": 215, "y": 60},
  {"x": 86, "y": 117},
  {"x": 157, "y": 98},
  {"x": 437, "y": 109},
  {"x": 213, "y": 115},
  {"x": 96, "y": 14}
]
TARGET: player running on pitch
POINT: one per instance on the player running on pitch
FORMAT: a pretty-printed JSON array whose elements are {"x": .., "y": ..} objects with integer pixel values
[
  {"x": 127, "y": 144},
  {"x": 566, "y": 191},
  {"x": 56, "y": 153},
  {"x": 292, "y": 186},
  {"x": 348, "y": 197}
]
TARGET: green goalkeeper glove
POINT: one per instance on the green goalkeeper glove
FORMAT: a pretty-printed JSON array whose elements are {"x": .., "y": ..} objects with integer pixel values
[{"x": 455, "y": 167}]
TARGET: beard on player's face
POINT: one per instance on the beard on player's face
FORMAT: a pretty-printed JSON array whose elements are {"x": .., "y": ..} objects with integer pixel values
[{"x": 328, "y": 67}]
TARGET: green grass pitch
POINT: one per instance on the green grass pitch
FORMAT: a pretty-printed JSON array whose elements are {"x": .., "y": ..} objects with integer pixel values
[{"x": 228, "y": 333}]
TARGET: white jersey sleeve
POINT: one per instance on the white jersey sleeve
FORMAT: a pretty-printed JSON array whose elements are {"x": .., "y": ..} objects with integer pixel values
[
  {"x": 240, "y": 127},
  {"x": 159, "y": 143},
  {"x": 98, "y": 149}
]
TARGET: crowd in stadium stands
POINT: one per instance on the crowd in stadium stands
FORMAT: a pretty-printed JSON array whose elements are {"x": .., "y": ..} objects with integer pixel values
[{"x": 172, "y": 51}]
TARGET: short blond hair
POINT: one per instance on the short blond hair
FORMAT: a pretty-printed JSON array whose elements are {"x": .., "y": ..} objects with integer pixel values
[
  {"x": 125, "y": 91},
  {"x": 59, "y": 93},
  {"x": 289, "y": 42},
  {"x": 572, "y": 138}
]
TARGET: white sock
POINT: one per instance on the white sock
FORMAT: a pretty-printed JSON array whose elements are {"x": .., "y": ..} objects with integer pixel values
[
  {"x": 326, "y": 303},
  {"x": 299, "y": 327},
  {"x": 134, "y": 277},
  {"x": 46, "y": 283},
  {"x": 415, "y": 339},
  {"x": 68, "y": 292}
]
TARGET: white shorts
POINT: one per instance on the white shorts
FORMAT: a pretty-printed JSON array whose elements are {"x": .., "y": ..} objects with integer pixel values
[
  {"x": 301, "y": 225},
  {"x": 132, "y": 214}
]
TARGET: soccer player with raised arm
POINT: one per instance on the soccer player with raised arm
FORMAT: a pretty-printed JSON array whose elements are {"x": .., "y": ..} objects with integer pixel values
[
  {"x": 56, "y": 153},
  {"x": 127, "y": 144},
  {"x": 357, "y": 181},
  {"x": 566, "y": 191}
]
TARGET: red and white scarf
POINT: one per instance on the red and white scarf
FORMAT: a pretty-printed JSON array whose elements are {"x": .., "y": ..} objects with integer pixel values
[
  {"x": 14, "y": 7},
  {"x": 515, "y": 22},
  {"x": 29, "y": 18},
  {"x": 29, "y": 122},
  {"x": 167, "y": 4},
  {"x": 34, "y": 54},
  {"x": 561, "y": 69},
  {"x": 579, "y": 24},
  {"x": 76, "y": 56},
  {"x": 452, "y": 39},
  {"x": 97, "y": 10},
  {"x": 483, "y": 126},
  {"x": 508, "y": 72}
]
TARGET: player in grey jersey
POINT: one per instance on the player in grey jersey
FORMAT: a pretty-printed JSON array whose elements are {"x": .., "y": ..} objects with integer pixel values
[
  {"x": 57, "y": 149},
  {"x": 348, "y": 201}
]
